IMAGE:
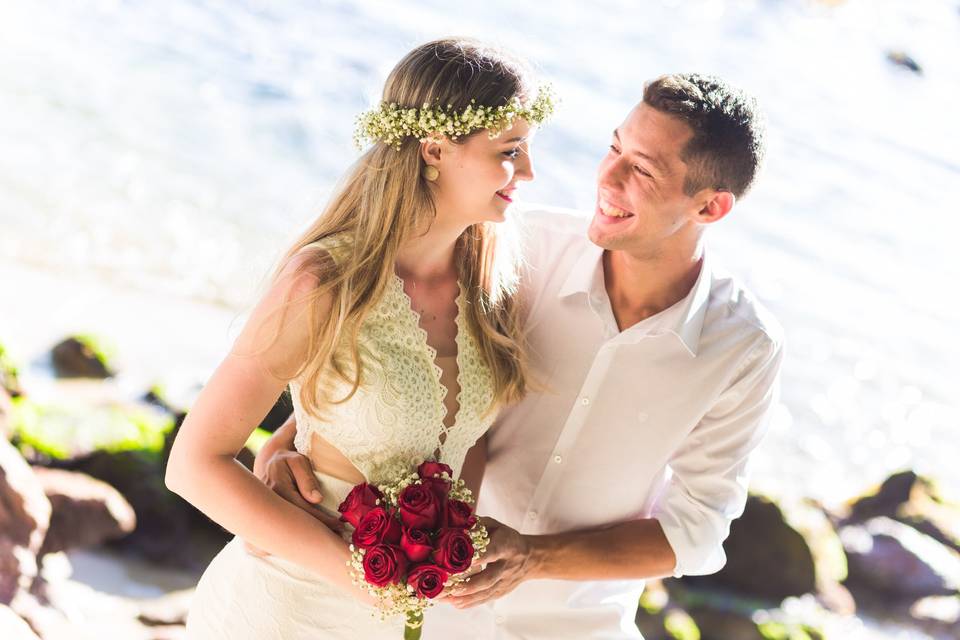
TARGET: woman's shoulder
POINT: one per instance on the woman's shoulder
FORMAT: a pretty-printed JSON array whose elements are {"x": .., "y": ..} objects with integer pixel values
[{"x": 338, "y": 246}]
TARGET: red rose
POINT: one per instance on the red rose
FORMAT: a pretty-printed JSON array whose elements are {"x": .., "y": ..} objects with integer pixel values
[
  {"x": 460, "y": 515},
  {"x": 384, "y": 564},
  {"x": 377, "y": 527},
  {"x": 416, "y": 544},
  {"x": 430, "y": 469},
  {"x": 358, "y": 502},
  {"x": 454, "y": 550},
  {"x": 427, "y": 580},
  {"x": 429, "y": 472},
  {"x": 419, "y": 507}
]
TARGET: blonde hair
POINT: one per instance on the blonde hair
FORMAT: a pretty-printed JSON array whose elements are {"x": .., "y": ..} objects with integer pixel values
[{"x": 382, "y": 202}]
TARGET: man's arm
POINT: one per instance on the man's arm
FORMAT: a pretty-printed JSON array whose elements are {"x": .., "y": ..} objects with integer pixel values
[
  {"x": 707, "y": 491},
  {"x": 281, "y": 440},
  {"x": 474, "y": 466}
]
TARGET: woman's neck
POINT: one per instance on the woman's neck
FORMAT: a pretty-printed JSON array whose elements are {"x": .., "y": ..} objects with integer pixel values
[{"x": 429, "y": 256}]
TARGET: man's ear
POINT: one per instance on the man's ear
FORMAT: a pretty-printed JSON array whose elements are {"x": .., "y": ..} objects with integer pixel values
[
  {"x": 431, "y": 151},
  {"x": 716, "y": 205}
]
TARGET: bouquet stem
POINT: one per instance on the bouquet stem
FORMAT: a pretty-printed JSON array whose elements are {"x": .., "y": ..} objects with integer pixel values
[{"x": 414, "y": 626}]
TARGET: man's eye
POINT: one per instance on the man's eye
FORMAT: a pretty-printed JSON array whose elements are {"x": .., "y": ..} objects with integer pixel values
[
  {"x": 641, "y": 171},
  {"x": 614, "y": 149}
]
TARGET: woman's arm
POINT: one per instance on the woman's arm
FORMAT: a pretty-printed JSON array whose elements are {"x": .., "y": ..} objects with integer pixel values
[{"x": 202, "y": 468}]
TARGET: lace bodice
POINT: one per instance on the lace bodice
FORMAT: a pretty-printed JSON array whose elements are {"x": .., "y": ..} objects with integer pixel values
[{"x": 398, "y": 412}]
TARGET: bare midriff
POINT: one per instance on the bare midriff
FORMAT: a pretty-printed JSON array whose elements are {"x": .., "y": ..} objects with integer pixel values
[{"x": 327, "y": 459}]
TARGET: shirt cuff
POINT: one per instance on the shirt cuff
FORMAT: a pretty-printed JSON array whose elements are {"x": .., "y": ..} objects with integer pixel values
[{"x": 696, "y": 538}]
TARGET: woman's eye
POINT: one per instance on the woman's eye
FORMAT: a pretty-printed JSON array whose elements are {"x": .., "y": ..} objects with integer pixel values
[{"x": 513, "y": 153}]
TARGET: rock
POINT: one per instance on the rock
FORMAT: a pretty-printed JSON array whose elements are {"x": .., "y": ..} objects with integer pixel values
[
  {"x": 47, "y": 621},
  {"x": 24, "y": 518},
  {"x": 13, "y": 627},
  {"x": 246, "y": 458},
  {"x": 681, "y": 612},
  {"x": 891, "y": 562},
  {"x": 913, "y": 500},
  {"x": 775, "y": 553},
  {"x": 86, "y": 511},
  {"x": 168, "y": 610},
  {"x": 724, "y": 625},
  {"x": 939, "y": 609},
  {"x": 169, "y": 530},
  {"x": 902, "y": 59},
  {"x": 76, "y": 357}
]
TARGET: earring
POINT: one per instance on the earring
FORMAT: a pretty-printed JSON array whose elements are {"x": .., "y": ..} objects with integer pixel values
[{"x": 431, "y": 173}]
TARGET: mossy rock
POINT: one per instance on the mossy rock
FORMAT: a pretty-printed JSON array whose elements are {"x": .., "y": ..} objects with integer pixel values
[
  {"x": 670, "y": 623},
  {"x": 688, "y": 614},
  {"x": 891, "y": 562},
  {"x": 83, "y": 356},
  {"x": 777, "y": 551},
  {"x": 54, "y": 432},
  {"x": 914, "y": 500}
]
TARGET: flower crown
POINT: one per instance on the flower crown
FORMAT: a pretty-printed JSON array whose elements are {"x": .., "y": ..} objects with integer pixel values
[{"x": 392, "y": 123}]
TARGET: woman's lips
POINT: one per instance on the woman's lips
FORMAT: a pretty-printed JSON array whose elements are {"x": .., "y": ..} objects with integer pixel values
[{"x": 505, "y": 196}]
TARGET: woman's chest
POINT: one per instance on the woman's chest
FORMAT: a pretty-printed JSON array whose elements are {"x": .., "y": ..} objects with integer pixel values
[{"x": 436, "y": 312}]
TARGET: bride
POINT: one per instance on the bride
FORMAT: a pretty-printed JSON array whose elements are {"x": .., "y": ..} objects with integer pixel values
[{"x": 393, "y": 322}]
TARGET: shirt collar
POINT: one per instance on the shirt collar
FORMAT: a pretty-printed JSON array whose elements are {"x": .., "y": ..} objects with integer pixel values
[
  {"x": 684, "y": 319},
  {"x": 583, "y": 276}
]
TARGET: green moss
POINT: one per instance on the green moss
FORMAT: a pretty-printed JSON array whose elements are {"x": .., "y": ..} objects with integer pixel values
[
  {"x": 650, "y": 603},
  {"x": 783, "y": 631},
  {"x": 102, "y": 350},
  {"x": 6, "y": 363},
  {"x": 681, "y": 626},
  {"x": 61, "y": 432},
  {"x": 8, "y": 371},
  {"x": 257, "y": 439}
]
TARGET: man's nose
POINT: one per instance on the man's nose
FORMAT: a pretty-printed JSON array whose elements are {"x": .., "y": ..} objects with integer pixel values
[{"x": 610, "y": 174}]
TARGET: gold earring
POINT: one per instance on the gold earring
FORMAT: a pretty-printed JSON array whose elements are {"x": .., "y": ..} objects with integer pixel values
[{"x": 431, "y": 173}]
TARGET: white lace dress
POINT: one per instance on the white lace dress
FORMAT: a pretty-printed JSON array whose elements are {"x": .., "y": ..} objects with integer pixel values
[{"x": 398, "y": 413}]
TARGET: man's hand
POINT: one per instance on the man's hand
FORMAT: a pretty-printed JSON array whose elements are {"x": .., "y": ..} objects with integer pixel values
[
  {"x": 290, "y": 475},
  {"x": 508, "y": 562}
]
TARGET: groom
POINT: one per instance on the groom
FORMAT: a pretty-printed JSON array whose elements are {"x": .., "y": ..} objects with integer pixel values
[{"x": 659, "y": 371}]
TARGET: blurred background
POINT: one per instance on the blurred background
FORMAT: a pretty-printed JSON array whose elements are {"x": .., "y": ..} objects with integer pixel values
[{"x": 156, "y": 158}]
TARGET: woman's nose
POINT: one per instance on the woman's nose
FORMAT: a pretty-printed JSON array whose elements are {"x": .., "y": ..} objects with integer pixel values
[{"x": 524, "y": 168}]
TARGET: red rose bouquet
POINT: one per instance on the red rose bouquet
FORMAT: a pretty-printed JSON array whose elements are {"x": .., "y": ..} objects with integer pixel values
[{"x": 411, "y": 538}]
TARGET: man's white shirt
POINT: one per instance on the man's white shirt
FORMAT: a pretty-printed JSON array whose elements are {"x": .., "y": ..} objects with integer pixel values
[{"x": 657, "y": 421}]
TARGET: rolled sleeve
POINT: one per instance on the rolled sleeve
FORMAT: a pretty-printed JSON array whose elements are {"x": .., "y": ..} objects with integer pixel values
[{"x": 708, "y": 486}]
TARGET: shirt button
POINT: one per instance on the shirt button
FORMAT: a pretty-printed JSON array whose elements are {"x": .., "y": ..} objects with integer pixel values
[
  {"x": 532, "y": 515},
  {"x": 584, "y": 401},
  {"x": 642, "y": 416},
  {"x": 499, "y": 619},
  {"x": 557, "y": 459}
]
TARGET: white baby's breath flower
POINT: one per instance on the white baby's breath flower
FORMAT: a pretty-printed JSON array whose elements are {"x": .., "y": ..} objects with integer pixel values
[{"x": 391, "y": 124}]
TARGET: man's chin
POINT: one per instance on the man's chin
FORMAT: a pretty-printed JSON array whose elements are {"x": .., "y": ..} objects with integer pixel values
[{"x": 605, "y": 238}]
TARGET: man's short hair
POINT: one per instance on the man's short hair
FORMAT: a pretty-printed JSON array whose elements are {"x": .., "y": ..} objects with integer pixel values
[{"x": 727, "y": 147}]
